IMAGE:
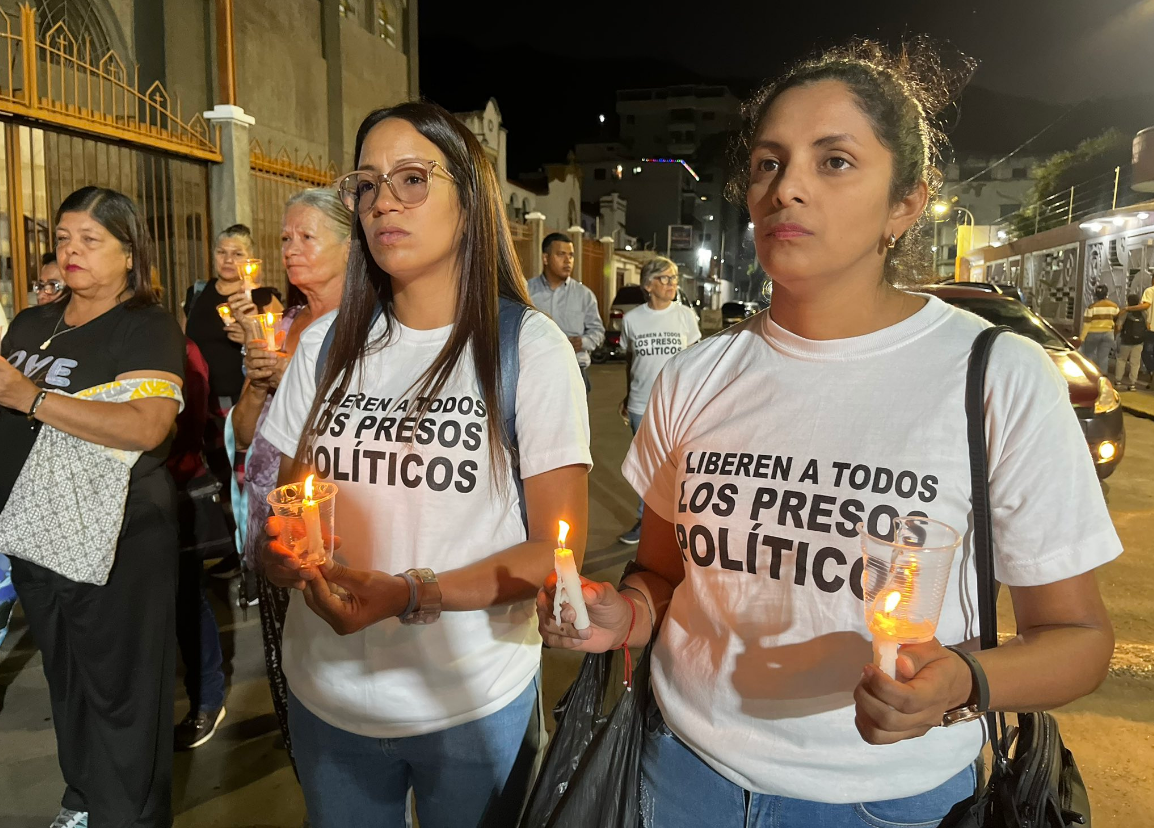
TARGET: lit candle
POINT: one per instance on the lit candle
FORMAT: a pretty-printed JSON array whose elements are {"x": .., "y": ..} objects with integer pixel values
[
  {"x": 311, "y": 514},
  {"x": 225, "y": 313},
  {"x": 884, "y": 628},
  {"x": 568, "y": 582},
  {"x": 270, "y": 331},
  {"x": 250, "y": 272}
]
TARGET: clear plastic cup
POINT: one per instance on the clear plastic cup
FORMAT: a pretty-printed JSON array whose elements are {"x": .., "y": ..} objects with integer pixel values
[
  {"x": 268, "y": 322},
  {"x": 250, "y": 271},
  {"x": 225, "y": 313},
  {"x": 904, "y": 583},
  {"x": 306, "y": 523}
]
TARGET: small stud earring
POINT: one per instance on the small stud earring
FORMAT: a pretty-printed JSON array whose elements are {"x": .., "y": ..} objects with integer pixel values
[{"x": 892, "y": 242}]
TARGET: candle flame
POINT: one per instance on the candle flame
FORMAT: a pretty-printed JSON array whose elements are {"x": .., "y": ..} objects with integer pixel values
[
  {"x": 270, "y": 319},
  {"x": 562, "y": 533},
  {"x": 892, "y": 600},
  {"x": 309, "y": 489}
]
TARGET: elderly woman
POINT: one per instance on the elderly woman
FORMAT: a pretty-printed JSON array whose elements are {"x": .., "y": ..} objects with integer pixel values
[
  {"x": 107, "y": 649},
  {"x": 651, "y": 334},
  {"x": 315, "y": 247}
]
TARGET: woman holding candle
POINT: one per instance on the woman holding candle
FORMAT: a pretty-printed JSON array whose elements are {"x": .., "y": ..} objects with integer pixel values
[
  {"x": 763, "y": 448},
  {"x": 314, "y": 249},
  {"x": 441, "y": 661},
  {"x": 108, "y": 650}
]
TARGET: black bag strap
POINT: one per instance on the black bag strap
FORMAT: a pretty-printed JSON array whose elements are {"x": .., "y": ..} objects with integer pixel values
[
  {"x": 509, "y": 318},
  {"x": 980, "y": 497}
]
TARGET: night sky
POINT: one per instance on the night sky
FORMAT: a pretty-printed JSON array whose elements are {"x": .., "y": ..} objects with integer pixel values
[{"x": 553, "y": 67}]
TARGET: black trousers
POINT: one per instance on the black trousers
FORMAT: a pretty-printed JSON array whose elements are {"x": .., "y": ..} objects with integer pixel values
[{"x": 110, "y": 661}]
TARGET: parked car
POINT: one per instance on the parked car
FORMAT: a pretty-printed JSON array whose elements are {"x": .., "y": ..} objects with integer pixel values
[
  {"x": 1092, "y": 395},
  {"x": 734, "y": 312},
  {"x": 610, "y": 350},
  {"x": 631, "y": 296}
]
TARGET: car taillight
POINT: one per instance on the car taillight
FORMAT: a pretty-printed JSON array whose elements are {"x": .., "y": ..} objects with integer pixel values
[{"x": 1108, "y": 398}]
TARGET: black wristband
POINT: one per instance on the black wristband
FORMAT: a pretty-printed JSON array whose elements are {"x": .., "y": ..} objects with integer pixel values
[
  {"x": 36, "y": 404},
  {"x": 980, "y": 694}
]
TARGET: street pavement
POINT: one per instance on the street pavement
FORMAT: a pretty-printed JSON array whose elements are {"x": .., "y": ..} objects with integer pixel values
[{"x": 241, "y": 778}]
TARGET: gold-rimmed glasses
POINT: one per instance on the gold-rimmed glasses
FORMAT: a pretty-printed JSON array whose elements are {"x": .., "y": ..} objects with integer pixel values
[{"x": 409, "y": 182}]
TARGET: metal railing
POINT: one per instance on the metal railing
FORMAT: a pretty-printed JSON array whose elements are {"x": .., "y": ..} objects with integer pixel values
[
  {"x": 274, "y": 179},
  {"x": 1097, "y": 195},
  {"x": 58, "y": 80}
]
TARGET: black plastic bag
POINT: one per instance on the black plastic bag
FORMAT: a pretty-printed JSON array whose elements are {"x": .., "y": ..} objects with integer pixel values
[{"x": 591, "y": 774}]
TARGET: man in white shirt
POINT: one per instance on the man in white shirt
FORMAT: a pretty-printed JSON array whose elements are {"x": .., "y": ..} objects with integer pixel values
[
  {"x": 1146, "y": 305},
  {"x": 651, "y": 334},
  {"x": 570, "y": 304}
]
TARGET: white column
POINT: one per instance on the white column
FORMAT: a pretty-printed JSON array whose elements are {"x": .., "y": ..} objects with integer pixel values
[
  {"x": 577, "y": 234},
  {"x": 536, "y": 262},
  {"x": 228, "y": 181}
]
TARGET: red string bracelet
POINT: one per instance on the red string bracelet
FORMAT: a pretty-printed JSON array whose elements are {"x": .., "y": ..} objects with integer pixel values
[{"x": 625, "y": 644}]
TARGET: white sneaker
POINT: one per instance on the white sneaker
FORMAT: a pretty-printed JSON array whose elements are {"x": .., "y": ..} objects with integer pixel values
[{"x": 70, "y": 819}]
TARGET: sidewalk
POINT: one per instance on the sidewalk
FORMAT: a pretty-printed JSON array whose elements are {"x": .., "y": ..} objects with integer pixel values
[{"x": 1138, "y": 403}]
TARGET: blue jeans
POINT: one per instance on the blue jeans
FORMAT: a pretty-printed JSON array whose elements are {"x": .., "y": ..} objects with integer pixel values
[
  {"x": 678, "y": 790},
  {"x": 471, "y": 775},
  {"x": 7, "y": 596},
  {"x": 1097, "y": 349},
  {"x": 1148, "y": 352},
  {"x": 198, "y": 638},
  {"x": 634, "y": 424}
]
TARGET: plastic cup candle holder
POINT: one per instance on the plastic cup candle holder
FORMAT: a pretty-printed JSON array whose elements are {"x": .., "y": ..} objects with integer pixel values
[
  {"x": 307, "y": 513},
  {"x": 904, "y": 583},
  {"x": 250, "y": 276},
  {"x": 225, "y": 313},
  {"x": 568, "y": 581},
  {"x": 268, "y": 325}
]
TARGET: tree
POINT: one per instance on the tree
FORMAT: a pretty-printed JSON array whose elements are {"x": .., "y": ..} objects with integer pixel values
[{"x": 1093, "y": 158}]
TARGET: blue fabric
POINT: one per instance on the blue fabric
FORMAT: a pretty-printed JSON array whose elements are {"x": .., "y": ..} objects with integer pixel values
[
  {"x": 573, "y": 306},
  {"x": 7, "y": 596},
  {"x": 678, "y": 790},
  {"x": 475, "y": 774},
  {"x": 634, "y": 424},
  {"x": 198, "y": 638},
  {"x": 239, "y": 497},
  {"x": 1148, "y": 352},
  {"x": 1097, "y": 349}
]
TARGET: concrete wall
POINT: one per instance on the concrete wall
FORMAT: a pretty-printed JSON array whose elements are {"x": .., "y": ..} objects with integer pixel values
[
  {"x": 189, "y": 55},
  {"x": 374, "y": 75},
  {"x": 281, "y": 73}
]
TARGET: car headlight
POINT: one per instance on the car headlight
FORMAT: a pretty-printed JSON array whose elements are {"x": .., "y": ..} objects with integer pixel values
[{"x": 1108, "y": 398}]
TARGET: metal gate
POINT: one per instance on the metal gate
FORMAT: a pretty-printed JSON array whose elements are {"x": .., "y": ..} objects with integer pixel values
[{"x": 70, "y": 119}]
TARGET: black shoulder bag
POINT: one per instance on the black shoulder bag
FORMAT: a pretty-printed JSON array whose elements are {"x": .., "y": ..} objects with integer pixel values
[{"x": 1034, "y": 782}]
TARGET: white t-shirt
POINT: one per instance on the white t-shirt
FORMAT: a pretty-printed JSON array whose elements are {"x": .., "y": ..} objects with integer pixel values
[
  {"x": 429, "y": 503},
  {"x": 765, "y": 450},
  {"x": 653, "y": 336},
  {"x": 1148, "y": 298}
]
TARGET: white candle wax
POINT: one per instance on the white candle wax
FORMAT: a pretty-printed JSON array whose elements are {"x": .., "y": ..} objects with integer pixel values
[
  {"x": 569, "y": 588},
  {"x": 311, "y": 514},
  {"x": 270, "y": 337},
  {"x": 886, "y": 654}
]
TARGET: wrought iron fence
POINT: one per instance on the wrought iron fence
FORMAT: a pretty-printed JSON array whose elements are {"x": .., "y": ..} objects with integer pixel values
[{"x": 274, "y": 180}]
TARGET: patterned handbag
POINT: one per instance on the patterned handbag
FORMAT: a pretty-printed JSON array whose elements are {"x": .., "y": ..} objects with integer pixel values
[{"x": 67, "y": 505}]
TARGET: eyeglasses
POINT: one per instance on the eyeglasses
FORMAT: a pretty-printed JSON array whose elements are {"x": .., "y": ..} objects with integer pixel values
[
  {"x": 409, "y": 182},
  {"x": 51, "y": 286},
  {"x": 665, "y": 280}
]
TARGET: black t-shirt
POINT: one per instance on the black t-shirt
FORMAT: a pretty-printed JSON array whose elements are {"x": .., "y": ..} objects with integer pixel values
[
  {"x": 118, "y": 341},
  {"x": 225, "y": 363}
]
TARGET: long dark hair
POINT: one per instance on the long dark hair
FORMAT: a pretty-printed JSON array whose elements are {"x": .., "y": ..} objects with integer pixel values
[
  {"x": 489, "y": 270},
  {"x": 117, "y": 214},
  {"x": 903, "y": 95}
]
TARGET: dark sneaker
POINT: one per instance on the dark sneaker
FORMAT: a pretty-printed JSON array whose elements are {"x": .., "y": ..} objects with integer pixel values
[
  {"x": 226, "y": 568},
  {"x": 197, "y": 728},
  {"x": 70, "y": 819},
  {"x": 633, "y": 536}
]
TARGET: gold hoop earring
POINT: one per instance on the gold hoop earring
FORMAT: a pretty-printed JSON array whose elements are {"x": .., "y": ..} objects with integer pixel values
[{"x": 892, "y": 242}]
